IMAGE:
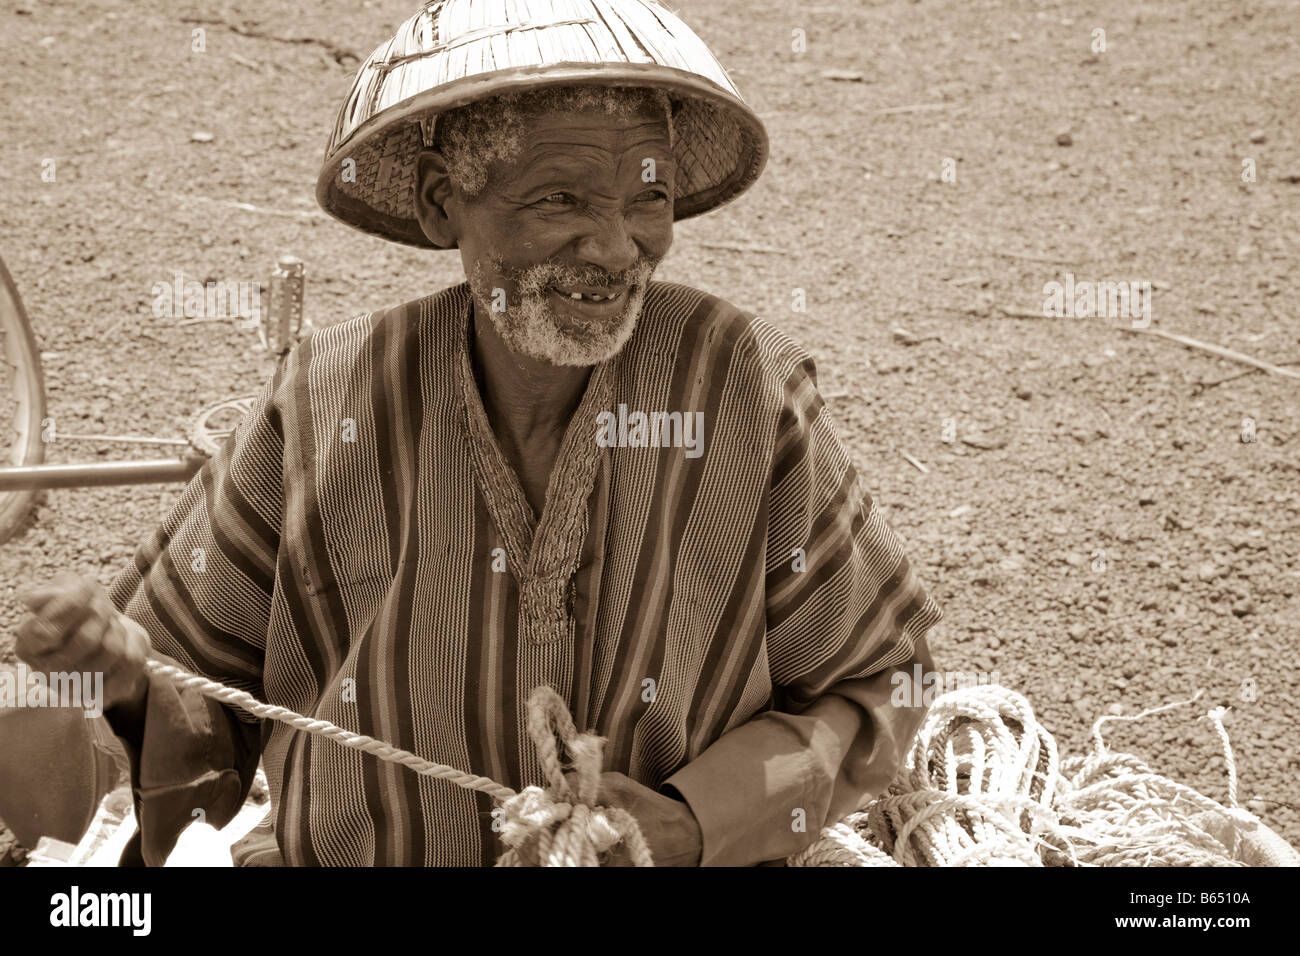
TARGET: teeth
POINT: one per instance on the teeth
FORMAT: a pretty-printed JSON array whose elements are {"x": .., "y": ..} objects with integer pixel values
[{"x": 583, "y": 296}]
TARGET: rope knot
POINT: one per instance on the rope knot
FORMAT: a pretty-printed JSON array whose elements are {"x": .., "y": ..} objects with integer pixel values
[
  {"x": 528, "y": 812},
  {"x": 561, "y": 825}
]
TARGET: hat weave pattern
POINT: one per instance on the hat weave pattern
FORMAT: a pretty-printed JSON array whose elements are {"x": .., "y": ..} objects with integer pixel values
[{"x": 454, "y": 52}]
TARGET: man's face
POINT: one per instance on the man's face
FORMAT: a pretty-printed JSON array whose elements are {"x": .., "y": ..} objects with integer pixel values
[{"x": 585, "y": 208}]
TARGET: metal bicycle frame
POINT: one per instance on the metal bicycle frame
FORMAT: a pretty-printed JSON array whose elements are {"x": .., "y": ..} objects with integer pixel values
[{"x": 286, "y": 324}]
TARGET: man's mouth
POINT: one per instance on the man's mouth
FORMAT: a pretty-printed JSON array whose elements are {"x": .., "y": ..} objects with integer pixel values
[{"x": 581, "y": 294}]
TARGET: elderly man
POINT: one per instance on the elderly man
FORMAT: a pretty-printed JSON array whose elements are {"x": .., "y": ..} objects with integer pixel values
[{"x": 559, "y": 472}]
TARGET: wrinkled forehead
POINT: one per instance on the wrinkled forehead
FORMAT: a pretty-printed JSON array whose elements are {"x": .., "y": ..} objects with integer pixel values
[
  {"x": 589, "y": 145},
  {"x": 648, "y": 127}
]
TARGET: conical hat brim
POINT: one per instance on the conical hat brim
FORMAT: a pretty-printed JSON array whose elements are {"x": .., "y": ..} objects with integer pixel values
[{"x": 720, "y": 145}]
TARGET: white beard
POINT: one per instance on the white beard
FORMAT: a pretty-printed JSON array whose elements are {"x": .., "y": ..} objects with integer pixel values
[{"x": 532, "y": 327}]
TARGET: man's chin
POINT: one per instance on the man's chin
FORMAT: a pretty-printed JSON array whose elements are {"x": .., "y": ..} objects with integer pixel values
[
  {"x": 544, "y": 335},
  {"x": 593, "y": 352}
]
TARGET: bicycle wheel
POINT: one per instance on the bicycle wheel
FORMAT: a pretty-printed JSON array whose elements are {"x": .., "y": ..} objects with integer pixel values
[{"x": 22, "y": 402}]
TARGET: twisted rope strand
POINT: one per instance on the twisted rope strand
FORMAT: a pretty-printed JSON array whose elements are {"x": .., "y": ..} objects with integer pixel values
[
  {"x": 556, "y": 826},
  {"x": 323, "y": 728}
]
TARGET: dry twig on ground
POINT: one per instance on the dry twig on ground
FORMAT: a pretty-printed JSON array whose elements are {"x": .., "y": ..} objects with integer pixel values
[{"x": 1218, "y": 350}]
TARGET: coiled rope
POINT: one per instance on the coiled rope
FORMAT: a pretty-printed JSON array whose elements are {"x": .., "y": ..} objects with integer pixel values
[{"x": 983, "y": 785}]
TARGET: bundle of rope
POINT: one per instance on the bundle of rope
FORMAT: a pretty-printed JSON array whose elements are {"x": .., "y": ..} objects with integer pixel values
[{"x": 982, "y": 785}]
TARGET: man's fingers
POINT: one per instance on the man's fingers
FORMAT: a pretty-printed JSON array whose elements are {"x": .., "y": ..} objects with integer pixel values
[
  {"x": 35, "y": 598},
  {"x": 58, "y": 609},
  {"x": 75, "y": 627},
  {"x": 87, "y": 643},
  {"x": 65, "y": 582},
  {"x": 37, "y": 637},
  {"x": 61, "y": 645},
  {"x": 68, "y": 607},
  {"x": 83, "y": 647},
  {"x": 617, "y": 790}
]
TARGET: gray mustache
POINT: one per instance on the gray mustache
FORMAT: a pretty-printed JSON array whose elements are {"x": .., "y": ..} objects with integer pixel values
[{"x": 549, "y": 273}]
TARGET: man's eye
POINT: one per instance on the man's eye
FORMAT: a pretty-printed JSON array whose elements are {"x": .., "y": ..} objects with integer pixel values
[
  {"x": 558, "y": 198},
  {"x": 654, "y": 195}
]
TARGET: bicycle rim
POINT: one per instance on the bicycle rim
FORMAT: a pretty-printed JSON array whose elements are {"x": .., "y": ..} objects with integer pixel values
[{"x": 22, "y": 401}]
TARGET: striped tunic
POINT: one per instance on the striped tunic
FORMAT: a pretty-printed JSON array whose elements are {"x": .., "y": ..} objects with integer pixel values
[{"x": 361, "y": 551}]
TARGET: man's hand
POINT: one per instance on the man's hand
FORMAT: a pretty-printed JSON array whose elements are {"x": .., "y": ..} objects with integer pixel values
[
  {"x": 668, "y": 825},
  {"x": 73, "y": 626}
]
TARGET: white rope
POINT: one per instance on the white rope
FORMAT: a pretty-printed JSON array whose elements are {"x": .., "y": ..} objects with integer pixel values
[{"x": 983, "y": 785}]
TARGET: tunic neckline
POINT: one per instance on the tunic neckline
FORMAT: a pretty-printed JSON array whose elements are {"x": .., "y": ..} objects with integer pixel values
[{"x": 542, "y": 553}]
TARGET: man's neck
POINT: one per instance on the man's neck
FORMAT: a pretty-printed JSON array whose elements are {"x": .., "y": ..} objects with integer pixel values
[{"x": 527, "y": 401}]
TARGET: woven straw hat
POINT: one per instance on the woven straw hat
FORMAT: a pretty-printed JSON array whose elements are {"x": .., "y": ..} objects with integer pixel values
[{"x": 456, "y": 51}]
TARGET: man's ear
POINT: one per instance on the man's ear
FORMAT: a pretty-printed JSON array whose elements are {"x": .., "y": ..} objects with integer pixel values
[{"x": 433, "y": 195}]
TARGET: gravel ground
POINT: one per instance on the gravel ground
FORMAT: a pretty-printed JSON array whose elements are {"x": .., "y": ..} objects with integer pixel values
[{"x": 1094, "y": 526}]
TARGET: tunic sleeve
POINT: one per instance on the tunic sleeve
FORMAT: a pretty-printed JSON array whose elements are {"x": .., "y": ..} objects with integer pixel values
[
  {"x": 846, "y": 613},
  {"x": 201, "y": 588}
]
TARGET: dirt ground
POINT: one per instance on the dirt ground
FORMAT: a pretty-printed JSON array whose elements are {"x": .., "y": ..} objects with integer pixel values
[{"x": 1096, "y": 530}]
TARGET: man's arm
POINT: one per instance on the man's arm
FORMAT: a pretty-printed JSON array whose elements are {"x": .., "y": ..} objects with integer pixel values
[
  {"x": 846, "y": 613},
  {"x": 201, "y": 588}
]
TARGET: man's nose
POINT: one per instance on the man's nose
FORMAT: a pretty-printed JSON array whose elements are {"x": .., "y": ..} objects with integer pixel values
[{"x": 609, "y": 244}]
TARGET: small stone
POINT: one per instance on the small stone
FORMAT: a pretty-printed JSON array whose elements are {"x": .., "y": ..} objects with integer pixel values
[
  {"x": 1147, "y": 496},
  {"x": 1208, "y": 571},
  {"x": 1023, "y": 393},
  {"x": 1014, "y": 37},
  {"x": 1078, "y": 632},
  {"x": 1169, "y": 639},
  {"x": 1064, "y": 138},
  {"x": 985, "y": 440},
  {"x": 1115, "y": 710},
  {"x": 1258, "y": 136},
  {"x": 1256, "y": 806},
  {"x": 1243, "y": 607},
  {"x": 201, "y": 136},
  {"x": 844, "y": 76}
]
